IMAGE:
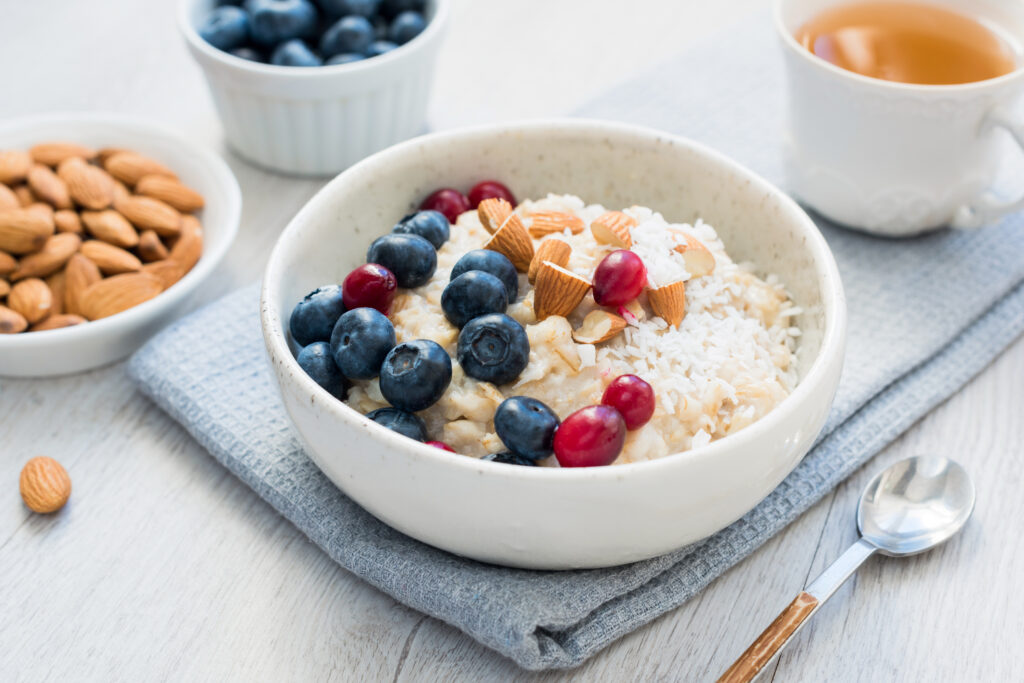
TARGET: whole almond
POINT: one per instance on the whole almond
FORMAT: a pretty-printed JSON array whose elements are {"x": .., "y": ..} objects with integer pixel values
[
  {"x": 67, "y": 220},
  {"x": 129, "y": 167},
  {"x": 78, "y": 276},
  {"x": 48, "y": 187},
  {"x": 189, "y": 246},
  {"x": 493, "y": 213},
  {"x": 151, "y": 248},
  {"x": 58, "y": 321},
  {"x": 554, "y": 250},
  {"x": 24, "y": 230},
  {"x": 24, "y": 195},
  {"x": 45, "y": 485},
  {"x": 5, "y": 288},
  {"x": 110, "y": 226},
  {"x": 171, "y": 192},
  {"x": 512, "y": 240},
  {"x": 109, "y": 259},
  {"x": 119, "y": 293},
  {"x": 11, "y": 322},
  {"x": 105, "y": 153},
  {"x": 8, "y": 264},
  {"x": 614, "y": 228},
  {"x": 8, "y": 200},
  {"x": 89, "y": 186},
  {"x": 168, "y": 270},
  {"x": 146, "y": 213},
  {"x": 44, "y": 210},
  {"x": 558, "y": 291},
  {"x": 51, "y": 258},
  {"x": 14, "y": 165},
  {"x": 669, "y": 302},
  {"x": 57, "y": 283},
  {"x": 52, "y": 153},
  {"x": 31, "y": 298},
  {"x": 547, "y": 222}
]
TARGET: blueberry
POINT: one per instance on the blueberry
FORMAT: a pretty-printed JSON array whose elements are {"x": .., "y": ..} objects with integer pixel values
[
  {"x": 472, "y": 295},
  {"x": 225, "y": 28},
  {"x": 294, "y": 53},
  {"x": 526, "y": 426},
  {"x": 380, "y": 28},
  {"x": 491, "y": 262},
  {"x": 222, "y": 3},
  {"x": 344, "y": 58},
  {"x": 431, "y": 225},
  {"x": 415, "y": 375},
  {"x": 493, "y": 348},
  {"x": 314, "y": 317},
  {"x": 275, "y": 21},
  {"x": 406, "y": 26},
  {"x": 318, "y": 363},
  {"x": 392, "y": 8},
  {"x": 248, "y": 53},
  {"x": 348, "y": 34},
  {"x": 343, "y": 8},
  {"x": 411, "y": 258},
  {"x": 509, "y": 459},
  {"x": 361, "y": 341},
  {"x": 400, "y": 421},
  {"x": 379, "y": 47}
]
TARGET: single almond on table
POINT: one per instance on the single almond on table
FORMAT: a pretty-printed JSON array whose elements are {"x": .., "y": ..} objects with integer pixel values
[
  {"x": 109, "y": 259},
  {"x": 24, "y": 230},
  {"x": 8, "y": 200},
  {"x": 129, "y": 167},
  {"x": 513, "y": 241},
  {"x": 554, "y": 250},
  {"x": 548, "y": 222},
  {"x": 14, "y": 166},
  {"x": 51, "y": 258},
  {"x": 614, "y": 228},
  {"x": 558, "y": 291},
  {"x": 67, "y": 220},
  {"x": 5, "y": 288},
  {"x": 669, "y": 302},
  {"x": 11, "y": 322},
  {"x": 79, "y": 274},
  {"x": 8, "y": 264},
  {"x": 171, "y": 192},
  {"x": 24, "y": 195},
  {"x": 52, "y": 153},
  {"x": 146, "y": 213},
  {"x": 45, "y": 485},
  {"x": 598, "y": 326},
  {"x": 31, "y": 298},
  {"x": 151, "y": 248},
  {"x": 56, "y": 283},
  {"x": 110, "y": 226},
  {"x": 58, "y": 321},
  {"x": 494, "y": 213},
  {"x": 90, "y": 186},
  {"x": 119, "y": 293},
  {"x": 168, "y": 270},
  {"x": 189, "y": 245},
  {"x": 48, "y": 187},
  {"x": 696, "y": 257}
]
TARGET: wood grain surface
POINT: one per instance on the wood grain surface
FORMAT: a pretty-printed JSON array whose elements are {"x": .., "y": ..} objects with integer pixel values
[{"x": 163, "y": 566}]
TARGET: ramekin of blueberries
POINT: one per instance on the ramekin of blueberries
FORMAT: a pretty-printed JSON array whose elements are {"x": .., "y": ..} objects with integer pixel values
[{"x": 345, "y": 336}]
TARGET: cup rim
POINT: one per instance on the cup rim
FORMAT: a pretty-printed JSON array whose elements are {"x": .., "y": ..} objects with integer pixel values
[{"x": 789, "y": 41}]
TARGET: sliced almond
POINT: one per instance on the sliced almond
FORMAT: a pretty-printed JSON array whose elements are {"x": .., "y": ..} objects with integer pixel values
[
  {"x": 8, "y": 200},
  {"x": 168, "y": 270},
  {"x": 598, "y": 326},
  {"x": 57, "y": 283},
  {"x": 493, "y": 213},
  {"x": 31, "y": 298},
  {"x": 57, "y": 321},
  {"x": 109, "y": 259},
  {"x": 669, "y": 302},
  {"x": 151, "y": 248},
  {"x": 119, "y": 293},
  {"x": 110, "y": 226},
  {"x": 14, "y": 165},
  {"x": 188, "y": 248},
  {"x": 614, "y": 228},
  {"x": 554, "y": 250},
  {"x": 513, "y": 241},
  {"x": 67, "y": 220},
  {"x": 24, "y": 195},
  {"x": 24, "y": 230},
  {"x": 11, "y": 322},
  {"x": 48, "y": 260},
  {"x": 89, "y": 186},
  {"x": 548, "y": 222},
  {"x": 171, "y": 192},
  {"x": 48, "y": 187},
  {"x": 8, "y": 264},
  {"x": 79, "y": 274},
  {"x": 52, "y": 153},
  {"x": 558, "y": 291},
  {"x": 146, "y": 213},
  {"x": 696, "y": 257},
  {"x": 129, "y": 167}
]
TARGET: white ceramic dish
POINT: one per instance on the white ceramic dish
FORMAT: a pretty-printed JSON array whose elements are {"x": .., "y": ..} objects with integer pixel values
[
  {"x": 82, "y": 347},
  {"x": 542, "y": 517},
  {"x": 320, "y": 120}
]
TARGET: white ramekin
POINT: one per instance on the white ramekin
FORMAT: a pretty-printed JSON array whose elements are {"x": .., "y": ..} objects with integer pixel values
[{"x": 318, "y": 121}]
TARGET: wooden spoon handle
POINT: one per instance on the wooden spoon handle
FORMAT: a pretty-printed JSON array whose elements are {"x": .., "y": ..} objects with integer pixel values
[{"x": 771, "y": 640}]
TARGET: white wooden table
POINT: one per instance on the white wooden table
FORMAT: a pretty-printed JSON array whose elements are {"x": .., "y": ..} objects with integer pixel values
[{"x": 165, "y": 566}]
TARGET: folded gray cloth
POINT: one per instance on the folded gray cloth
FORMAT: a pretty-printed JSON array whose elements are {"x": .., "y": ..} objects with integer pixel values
[{"x": 925, "y": 316}]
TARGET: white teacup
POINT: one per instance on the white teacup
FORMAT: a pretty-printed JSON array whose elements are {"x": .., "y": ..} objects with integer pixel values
[{"x": 895, "y": 158}]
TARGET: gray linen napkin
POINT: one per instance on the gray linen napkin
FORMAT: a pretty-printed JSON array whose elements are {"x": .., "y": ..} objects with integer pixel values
[{"x": 925, "y": 316}]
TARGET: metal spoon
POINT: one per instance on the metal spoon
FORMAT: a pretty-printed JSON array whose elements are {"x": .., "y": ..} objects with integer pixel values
[{"x": 912, "y": 506}]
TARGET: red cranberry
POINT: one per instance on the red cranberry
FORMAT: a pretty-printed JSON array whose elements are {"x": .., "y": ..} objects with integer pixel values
[
  {"x": 490, "y": 189},
  {"x": 619, "y": 278},
  {"x": 590, "y": 437},
  {"x": 448, "y": 201},
  {"x": 633, "y": 398},
  {"x": 442, "y": 445},
  {"x": 370, "y": 286}
]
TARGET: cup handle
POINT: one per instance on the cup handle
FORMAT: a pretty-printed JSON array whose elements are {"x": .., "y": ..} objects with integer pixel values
[{"x": 989, "y": 207}]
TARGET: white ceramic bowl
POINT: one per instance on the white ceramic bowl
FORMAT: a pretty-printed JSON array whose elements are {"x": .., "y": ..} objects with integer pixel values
[
  {"x": 73, "y": 349},
  {"x": 318, "y": 121},
  {"x": 545, "y": 517}
]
